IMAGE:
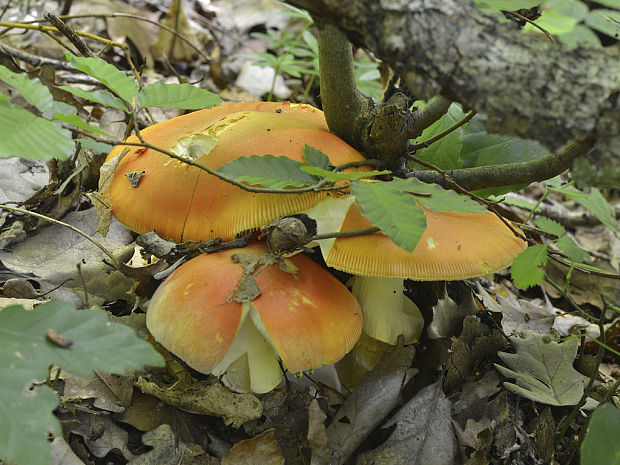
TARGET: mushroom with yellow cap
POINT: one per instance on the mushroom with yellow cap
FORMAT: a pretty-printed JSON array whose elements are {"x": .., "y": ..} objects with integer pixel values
[
  {"x": 182, "y": 202},
  {"x": 306, "y": 318}
]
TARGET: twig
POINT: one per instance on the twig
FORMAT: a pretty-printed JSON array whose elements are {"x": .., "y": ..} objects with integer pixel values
[
  {"x": 35, "y": 60},
  {"x": 528, "y": 20},
  {"x": 355, "y": 232},
  {"x": 69, "y": 34},
  {"x": 66, "y": 225},
  {"x": 436, "y": 137}
]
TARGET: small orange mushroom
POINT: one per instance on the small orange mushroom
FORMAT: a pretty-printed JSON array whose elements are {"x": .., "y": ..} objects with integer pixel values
[
  {"x": 454, "y": 246},
  {"x": 181, "y": 202},
  {"x": 307, "y": 319}
]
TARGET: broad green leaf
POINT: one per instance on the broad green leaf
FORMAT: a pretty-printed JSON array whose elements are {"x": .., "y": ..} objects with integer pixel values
[
  {"x": 543, "y": 372},
  {"x": 110, "y": 76},
  {"x": 332, "y": 176},
  {"x": 98, "y": 96},
  {"x": 594, "y": 202},
  {"x": 25, "y": 135},
  {"x": 580, "y": 35},
  {"x": 438, "y": 199},
  {"x": 483, "y": 149},
  {"x": 314, "y": 157},
  {"x": 601, "y": 445},
  {"x": 26, "y": 354},
  {"x": 605, "y": 21},
  {"x": 554, "y": 22},
  {"x": 268, "y": 171},
  {"x": 569, "y": 247},
  {"x": 183, "y": 96},
  {"x": 398, "y": 215},
  {"x": 528, "y": 268},
  {"x": 32, "y": 90},
  {"x": 549, "y": 226},
  {"x": 446, "y": 152},
  {"x": 573, "y": 8},
  {"x": 77, "y": 121}
]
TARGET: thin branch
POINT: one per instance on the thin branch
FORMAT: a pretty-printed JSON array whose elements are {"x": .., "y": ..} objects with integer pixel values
[
  {"x": 435, "y": 138},
  {"x": 511, "y": 173},
  {"x": 66, "y": 225},
  {"x": 69, "y": 34},
  {"x": 355, "y": 232},
  {"x": 517, "y": 15}
]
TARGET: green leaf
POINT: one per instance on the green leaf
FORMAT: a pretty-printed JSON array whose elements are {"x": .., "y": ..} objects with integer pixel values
[
  {"x": 580, "y": 35},
  {"x": 268, "y": 171},
  {"x": 183, "y": 96},
  {"x": 438, "y": 199},
  {"x": 77, "y": 121},
  {"x": 314, "y": 157},
  {"x": 26, "y": 354},
  {"x": 594, "y": 202},
  {"x": 95, "y": 146},
  {"x": 332, "y": 176},
  {"x": 483, "y": 149},
  {"x": 398, "y": 215},
  {"x": 605, "y": 21},
  {"x": 549, "y": 226},
  {"x": 528, "y": 268},
  {"x": 569, "y": 247},
  {"x": 554, "y": 22},
  {"x": 98, "y": 96},
  {"x": 32, "y": 90},
  {"x": 111, "y": 77},
  {"x": 601, "y": 445},
  {"x": 543, "y": 372},
  {"x": 25, "y": 135},
  {"x": 446, "y": 152},
  {"x": 509, "y": 5}
]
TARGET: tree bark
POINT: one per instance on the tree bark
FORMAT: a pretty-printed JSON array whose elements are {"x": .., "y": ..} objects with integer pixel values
[{"x": 527, "y": 87}]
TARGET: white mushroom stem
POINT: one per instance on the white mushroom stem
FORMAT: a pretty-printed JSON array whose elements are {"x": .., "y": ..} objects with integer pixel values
[
  {"x": 388, "y": 313},
  {"x": 251, "y": 363}
]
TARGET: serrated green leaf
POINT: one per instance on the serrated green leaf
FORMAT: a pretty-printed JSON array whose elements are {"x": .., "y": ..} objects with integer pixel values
[
  {"x": 398, "y": 215},
  {"x": 438, "y": 199},
  {"x": 528, "y": 268},
  {"x": 98, "y": 96},
  {"x": 569, "y": 247},
  {"x": 314, "y": 157},
  {"x": 77, "y": 121},
  {"x": 549, "y": 226},
  {"x": 332, "y": 176},
  {"x": 594, "y": 202},
  {"x": 483, "y": 149},
  {"x": 25, "y": 135},
  {"x": 110, "y": 76},
  {"x": 446, "y": 152},
  {"x": 543, "y": 372},
  {"x": 601, "y": 445},
  {"x": 183, "y": 96},
  {"x": 26, "y": 354},
  {"x": 268, "y": 171}
]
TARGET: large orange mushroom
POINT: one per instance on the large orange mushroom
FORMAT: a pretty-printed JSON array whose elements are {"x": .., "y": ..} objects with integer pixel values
[
  {"x": 181, "y": 202},
  {"x": 306, "y": 318}
]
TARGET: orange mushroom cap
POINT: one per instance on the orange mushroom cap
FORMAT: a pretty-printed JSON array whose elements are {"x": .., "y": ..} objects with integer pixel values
[
  {"x": 309, "y": 318},
  {"x": 182, "y": 202},
  {"x": 453, "y": 246}
]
